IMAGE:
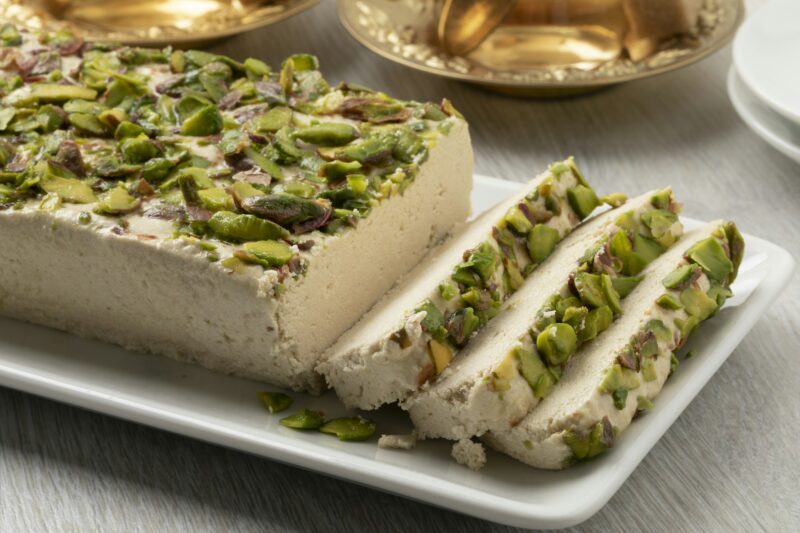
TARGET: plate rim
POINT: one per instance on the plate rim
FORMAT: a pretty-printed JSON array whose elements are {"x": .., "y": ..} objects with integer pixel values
[
  {"x": 394, "y": 478},
  {"x": 757, "y": 89},
  {"x": 684, "y": 61},
  {"x": 735, "y": 84}
]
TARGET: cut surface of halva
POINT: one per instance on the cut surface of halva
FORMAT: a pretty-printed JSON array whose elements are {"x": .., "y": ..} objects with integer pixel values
[
  {"x": 415, "y": 331},
  {"x": 619, "y": 375},
  {"x": 575, "y": 295},
  {"x": 211, "y": 210}
]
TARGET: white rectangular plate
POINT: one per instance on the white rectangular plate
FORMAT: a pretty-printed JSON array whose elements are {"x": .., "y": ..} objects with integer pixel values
[{"x": 191, "y": 401}]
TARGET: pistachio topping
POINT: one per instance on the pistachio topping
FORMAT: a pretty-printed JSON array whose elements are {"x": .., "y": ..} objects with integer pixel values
[
  {"x": 304, "y": 419},
  {"x": 237, "y": 152},
  {"x": 275, "y": 402},
  {"x": 495, "y": 268}
]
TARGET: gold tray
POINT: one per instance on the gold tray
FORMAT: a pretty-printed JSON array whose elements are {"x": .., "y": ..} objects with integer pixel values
[
  {"x": 150, "y": 22},
  {"x": 404, "y": 31}
]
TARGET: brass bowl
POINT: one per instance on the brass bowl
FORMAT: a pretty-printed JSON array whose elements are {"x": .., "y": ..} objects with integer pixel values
[
  {"x": 404, "y": 31},
  {"x": 182, "y": 23}
]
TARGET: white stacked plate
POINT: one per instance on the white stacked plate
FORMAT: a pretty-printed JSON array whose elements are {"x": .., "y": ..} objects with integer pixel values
[{"x": 764, "y": 81}]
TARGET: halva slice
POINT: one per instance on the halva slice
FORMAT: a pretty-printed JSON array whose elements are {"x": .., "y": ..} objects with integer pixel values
[
  {"x": 414, "y": 332},
  {"x": 602, "y": 389},
  {"x": 576, "y": 294},
  {"x": 211, "y": 210}
]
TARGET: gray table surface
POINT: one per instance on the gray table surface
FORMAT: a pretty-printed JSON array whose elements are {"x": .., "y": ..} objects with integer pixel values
[{"x": 730, "y": 462}]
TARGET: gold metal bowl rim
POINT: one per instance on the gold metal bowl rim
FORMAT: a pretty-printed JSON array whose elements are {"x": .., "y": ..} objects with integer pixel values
[{"x": 681, "y": 62}]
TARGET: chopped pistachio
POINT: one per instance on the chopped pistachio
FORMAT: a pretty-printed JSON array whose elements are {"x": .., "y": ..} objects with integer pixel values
[
  {"x": 274, "y": 119},
  {"x": 327, "y": 134},
  {"x": 710, "y": 255},
  {"x": 117, "y": 201},
  {"x": 266, "y": 253},
  {"x": 351, "y": 429},
  {"x": 542, "y": 240},
  {"x": 275, "y": 402},
  {"x": 440, "y": 354},
  {"x": 614, "y": 199},
  {"x": 599, "y": 439},
  {"x": 583, "y": 200},
  {"x": 668, "y": 301},
  {"x": 228, "y": 225},
  {"x": 42, "y": 93},
  {"x": 697, "y": 303},
  {"x": 304, "y": 419},
  {"x": 643, "y": 403},
  {"x": 285, "y": 209},
  {"x": 557, "y": 342},
  {"x": 205, "y": 121},
  {"x": 680, "y": 277}
]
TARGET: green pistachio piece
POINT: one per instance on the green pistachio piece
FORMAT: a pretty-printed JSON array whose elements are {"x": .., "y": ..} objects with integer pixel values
[
  {"x": 660, "y": 223},
  {"x": 680, "y": 277},
  {"x": 646, "y": 248},
  {"x": 9, "y": 35},
  {"x": 273, "y": 120},
  {"x": 687, "y": 326},
  {"x": 557, "y": 342},
  {"x": 374, "y": 110},
  {"x": 256, "y": 67},
  {"x": 600, "y": 439},
  {"x": 264, "y": 163},
  {"x": 216, "y": 199},
  {"x": 673, "y": 363},
  {"x": 50, "y": 202},
  {"x": 661, "y": 331},
  {"x": 266, "y": 253},
  {"x": 482, "y": 260},
  {"x": 643, "y": 403},
  {"x": 117, "y": 201},
  {"x": 285, "y": 209},
  {"x": 538, "y": 376},
  {"x": 89, "y": 124},
  {"x": 300, "y": 188},
  {"x": 138, "y": 149},
  {"x": 358, "y": 183},
  {"x": 735, "y": 247},
  {"x": 305, "y": 419},
  {"x": 335, "y": 171},
  {"x": 667, "y": 301},
  {"x": 205, "y": 121},
  {"x": 409, "y": 147},
  {"x": 275, "y": 402},
  {"x": 542, "y": 240},
  {"x": 649, "y": 370},
  {"x": 350, "y": 429},
  {"x": 583, "y": 200},
  {"x": 624, "y": 285},
  {"x": 69, "y": 189},
  {"x": 719, "y": 294},
  {"x": 614, "y": 199},
  {"x": 697, "y": 303},
  {"x": 617, "y": 382},
  {"x": 590, "y": 289},
  {"x": 596, "y": 321},
  {"x": 611, "y": 296},
  {"x": 113, "y": 117},
  {"x": 6, "y": 116},
  {"x": 662, "y": 199},
  {"x": 214, "y": 78},
  {"x": 228, "y": 225},
  {"x": 242, "y": 189},
  {"x": 574, "y": 316},
  {"x": 512, "y": 275},
  {"x": 433, "y": 321},
  {"x": 43, "y": 93},
  {"x": 517, "y": 220},
  {"x": 710, "y": 255},
  {"x": 448, "y": 290},
  {"x": 373, "y": 151},
  {"x": 156, "y": 169},
  {"x": 462, "y": 324},
  {"x": 303, "y": 62},
  {"x": 327, "y": 134},
  {"x": 127, "y": 129},
  {"x": 286, "y": 77}
]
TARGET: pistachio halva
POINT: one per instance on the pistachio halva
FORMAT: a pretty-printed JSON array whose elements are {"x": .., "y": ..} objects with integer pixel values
[
  {"x": 414, "y": 332},
  {"x": 574, "y": 296},
  {"x": 215, "y": 211},
  {"x": 605, "y": 386}
]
